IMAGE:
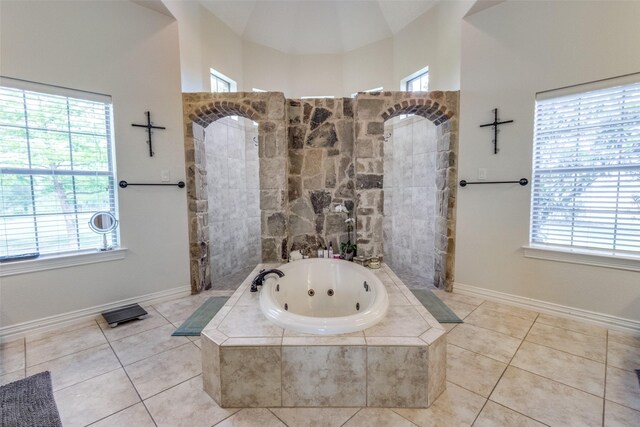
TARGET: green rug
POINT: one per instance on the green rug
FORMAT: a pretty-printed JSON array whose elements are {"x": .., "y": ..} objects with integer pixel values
[
  {"x": 199, "y": 319},
  {"x": 436, "y": 307}
]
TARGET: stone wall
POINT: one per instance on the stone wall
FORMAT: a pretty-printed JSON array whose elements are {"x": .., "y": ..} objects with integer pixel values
[
  {"x": 298, "y": 157},
  {"x": 321, "y": 172},
  {"x": 268, "y": 110},
  {"x": 372, "y": 109}
]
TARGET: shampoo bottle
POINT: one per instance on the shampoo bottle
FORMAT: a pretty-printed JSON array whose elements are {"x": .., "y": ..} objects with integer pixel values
[
  {"x": 331, "y": 250},
  {"x": 326, "y": 252}
]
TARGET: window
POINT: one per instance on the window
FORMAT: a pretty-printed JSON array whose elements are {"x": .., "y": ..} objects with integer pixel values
[
  {"x": 416, "y": 82},
  {"x": 222, "y": 83},
  {"x": 56, "y": 168},
  {"x": 586, "y": 167}
]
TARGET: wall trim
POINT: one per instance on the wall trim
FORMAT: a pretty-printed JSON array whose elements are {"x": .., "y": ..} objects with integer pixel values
[
  {"x": 592, "y": 317},
  {"x": 45, "y": 324},
  {"x": 61, "y": 261},
  {"x": 619, "y": 260}
]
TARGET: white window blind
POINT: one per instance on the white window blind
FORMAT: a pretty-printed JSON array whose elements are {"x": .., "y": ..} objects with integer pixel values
[
  {"x": 586, "y": 167},
  {"x": 56, "y": 168}
]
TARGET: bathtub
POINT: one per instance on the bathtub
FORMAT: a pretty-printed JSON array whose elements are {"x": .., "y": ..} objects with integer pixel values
[{"x": 324, "y": 297}]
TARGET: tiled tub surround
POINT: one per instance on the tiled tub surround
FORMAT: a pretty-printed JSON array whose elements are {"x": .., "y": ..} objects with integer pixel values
[
  {"x": 233, "y": 194},
  {"x": 250, "y": 362},
  {"x": 410, "y": 197}
]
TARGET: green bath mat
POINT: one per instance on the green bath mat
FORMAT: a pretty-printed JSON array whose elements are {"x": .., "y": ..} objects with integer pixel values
[
  {"x": 199, "y": 319},
  {"x": 436, "y": 307}
]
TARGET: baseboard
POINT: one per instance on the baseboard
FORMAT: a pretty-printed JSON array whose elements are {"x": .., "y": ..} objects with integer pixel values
[
  {"x": 595, "y": 318},
  {"x": 66, "y": 319}
]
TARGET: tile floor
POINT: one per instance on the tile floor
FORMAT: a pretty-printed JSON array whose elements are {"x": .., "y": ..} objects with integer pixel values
[{"x": 506, "y": 367}]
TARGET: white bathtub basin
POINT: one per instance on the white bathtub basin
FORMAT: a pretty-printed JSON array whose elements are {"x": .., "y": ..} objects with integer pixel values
[{"x": 324, "y": 296}]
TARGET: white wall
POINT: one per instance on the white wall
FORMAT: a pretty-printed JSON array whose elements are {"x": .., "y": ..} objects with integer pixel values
[
  {"x": 433, "y": 40},
  {"x": 206, "y": 42},
  {"x": 130, "y": 53},
  {"x": 509, "y": 53}
]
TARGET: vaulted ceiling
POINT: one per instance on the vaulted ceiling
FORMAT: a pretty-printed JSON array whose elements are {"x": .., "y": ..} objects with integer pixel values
[{"x": 317, "y": 27}]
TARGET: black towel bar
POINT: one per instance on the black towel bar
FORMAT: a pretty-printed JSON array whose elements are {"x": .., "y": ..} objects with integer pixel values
[
  {"x": 125, "y": 184},
  {"x": 521, "y": 181}
]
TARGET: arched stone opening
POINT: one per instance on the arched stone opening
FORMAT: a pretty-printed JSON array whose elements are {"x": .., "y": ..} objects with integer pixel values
[
  {"x": 267, "y": 109},
  {"x": 372, "y": 110}
]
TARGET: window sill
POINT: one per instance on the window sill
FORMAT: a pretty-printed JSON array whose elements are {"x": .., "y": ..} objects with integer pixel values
[
  {"x": 60, "y": 261},
  {"x": 608, "y": 259}
]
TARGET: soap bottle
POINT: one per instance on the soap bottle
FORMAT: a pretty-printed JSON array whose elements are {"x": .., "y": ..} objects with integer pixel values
[
  {"x": 331, "y": 250},
  {"x": 326, "y": 252},
  {"x": 320, "y": 253}
]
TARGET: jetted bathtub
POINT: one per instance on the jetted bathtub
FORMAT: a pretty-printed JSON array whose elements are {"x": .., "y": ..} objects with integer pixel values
[{"x": 324, "y": 296}]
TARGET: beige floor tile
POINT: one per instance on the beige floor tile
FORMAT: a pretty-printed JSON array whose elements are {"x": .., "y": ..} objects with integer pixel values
[
  {"x": 78, "y": 367},
  {"x": 11, "y": 377},
  {"x": 575, "y": 371},
  {"x": 377, "y": 417},
  {"x": 133, "y": 416},
  {"x": 64, "y": 344},
  {"x": 489, "y": 343},
  {"x": 74, "y": 326},
  {"x": 473, "y": 371},
  {"x": 449, "y": 326},
  {"x": 495, "y": 415},
  {"x": 12, "y": 356},
  {"x": 198, "y": 342},
  {"x": 152, "y": 320},
  {"x": 509, "y": 309},
  {"x": 461, "y": 309},
  {"x": 514, "y": 326},
  {"x": 157, "y": 373},
  {"x": 620, "y": 416},
  {"x": 314, "y": 417},
  {"x": 626, "y": 338},
  {"x": 572, "y": 325},
  {"x": 252, "y": 418},
  {"x": 186, "y": 404},
  {"x": 591, "y": 347},
  {"x": 455, "y": 296},
  {"x": 623, "y": 356},
  {"x": 145, "y": 344},
  {"x": 94, "y": 399},
  {"x": 547, "y": 401},
  {"x": 622, "y": 387},
  {"x": 179, "y": 310},
  {"x": 455, "y": 407}
]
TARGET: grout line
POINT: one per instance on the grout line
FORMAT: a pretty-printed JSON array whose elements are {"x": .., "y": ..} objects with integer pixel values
[
  {"x": 405, "y": 418},
  {"x": 351, "y": 417},
  {"x": 276, "y": 415},
  {"x": 117, "y": 412},
  {"x": 517, "y": 412}
]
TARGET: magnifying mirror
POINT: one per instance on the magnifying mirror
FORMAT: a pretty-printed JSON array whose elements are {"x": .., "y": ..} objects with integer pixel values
[{"x": 103, "y": 223}]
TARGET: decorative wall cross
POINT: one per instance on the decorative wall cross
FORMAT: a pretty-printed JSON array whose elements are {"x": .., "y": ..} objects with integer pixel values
[
  {"x": 495, "y": 125},
  {"x": 149, "y": 126}
]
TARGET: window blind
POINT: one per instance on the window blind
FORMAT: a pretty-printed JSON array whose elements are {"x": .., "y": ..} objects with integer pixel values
[
  {"x": 586, "y": 167},
  {"x": 56, "y": 168}
]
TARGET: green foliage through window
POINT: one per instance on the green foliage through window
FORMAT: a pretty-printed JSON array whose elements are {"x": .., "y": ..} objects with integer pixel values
[{"x": 56, "y": 170}]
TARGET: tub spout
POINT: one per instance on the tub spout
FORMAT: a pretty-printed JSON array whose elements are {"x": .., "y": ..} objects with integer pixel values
[{"x": 257, "y": 281}]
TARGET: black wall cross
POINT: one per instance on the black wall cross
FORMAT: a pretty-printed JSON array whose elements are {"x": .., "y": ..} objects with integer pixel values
[
  {"x": 149, "y": 126},
  {"x": 495, "y": 125}
]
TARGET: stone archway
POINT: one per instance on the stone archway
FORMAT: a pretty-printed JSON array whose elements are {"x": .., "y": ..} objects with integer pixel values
[
  {"x": 371, "y": 111},
  {"x": 267, "y": 109}
]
